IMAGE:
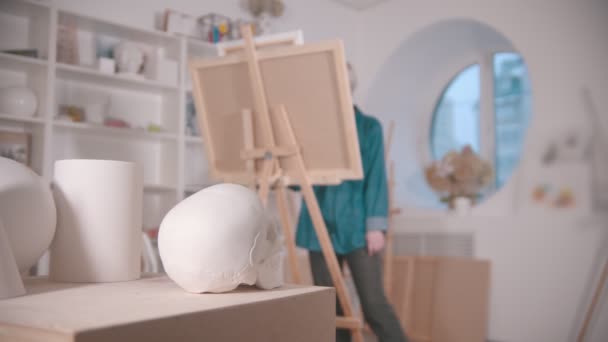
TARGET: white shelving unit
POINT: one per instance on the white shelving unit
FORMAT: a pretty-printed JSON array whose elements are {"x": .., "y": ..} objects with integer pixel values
[{"x": 173, "y": 162}]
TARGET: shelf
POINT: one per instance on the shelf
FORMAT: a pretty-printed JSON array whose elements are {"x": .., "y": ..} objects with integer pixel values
[
  {"x": 83, "y": 74},
  {"x": 24, "y": 8},
  {"x": 194, "y": 140},
  {"x": 128, "y": 133},
  {"x": 21, "y": 63},
  {"x": 22, "y": 119},
  {"x": 159, "y": 188},
  {"x": 201, "y": 48},
  {"x": 105, "y": 27}
]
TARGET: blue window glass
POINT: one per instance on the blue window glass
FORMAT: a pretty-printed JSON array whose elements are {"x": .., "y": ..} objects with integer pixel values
[
  {"x": 512, "y": 107},
  {"x": 456, "y": 119}
]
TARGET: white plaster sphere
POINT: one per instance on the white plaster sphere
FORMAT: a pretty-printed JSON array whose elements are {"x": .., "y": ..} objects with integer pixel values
[
  {"x": 206, "y": 242},
  {"x": 27, "y": 211}
]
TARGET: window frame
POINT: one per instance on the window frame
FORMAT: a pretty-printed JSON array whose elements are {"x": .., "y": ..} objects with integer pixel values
[{"x": 487, "y": 111}]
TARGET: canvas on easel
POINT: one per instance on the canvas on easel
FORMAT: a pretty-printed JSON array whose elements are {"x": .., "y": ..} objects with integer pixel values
[
  {"x": 310, "y": 81},
  {"x": 282, "y": 117}
]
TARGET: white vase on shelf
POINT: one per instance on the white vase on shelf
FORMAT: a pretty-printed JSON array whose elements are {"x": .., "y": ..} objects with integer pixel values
[
  {"x": 129, "y": 59},
  {"x": 462, "y": 206},
  {"x": 18, "y": 101}
]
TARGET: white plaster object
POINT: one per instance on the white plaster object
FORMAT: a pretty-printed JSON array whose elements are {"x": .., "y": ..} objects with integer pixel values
[
  {"x": 27, "y": 212},
  {"x": 19, "y": 101},
  {"x": 99, "y": 218},
  {"x": 129, "y": 58},
  {"x": 11, "y": 284},
  {"x": 218, "y": 238}
]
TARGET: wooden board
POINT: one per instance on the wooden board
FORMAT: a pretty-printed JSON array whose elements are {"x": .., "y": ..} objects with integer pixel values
[
  {"x": 310, "y": 81},
  {"x": 156, "y": 309},
  {"x": 441, "y": 299}
]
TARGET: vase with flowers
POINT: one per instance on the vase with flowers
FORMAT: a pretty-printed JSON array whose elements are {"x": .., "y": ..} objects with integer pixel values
[{"x": 459, "y": 175}]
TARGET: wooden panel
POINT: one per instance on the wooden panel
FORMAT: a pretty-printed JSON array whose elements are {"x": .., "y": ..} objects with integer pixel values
[
  {"x": 461, "y": 306},
  {"x": 311, "y": 81},
  {"x": 397, "y": 296},
  {"x": 422, "y": 304},
  {"x": 448, "y": 298}
]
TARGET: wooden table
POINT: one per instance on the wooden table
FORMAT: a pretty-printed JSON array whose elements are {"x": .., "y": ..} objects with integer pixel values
[{"x": 155, "y": 309}]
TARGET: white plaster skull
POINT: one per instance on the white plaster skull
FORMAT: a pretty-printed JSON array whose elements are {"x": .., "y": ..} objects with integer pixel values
[{"x": 219, "y": 238}]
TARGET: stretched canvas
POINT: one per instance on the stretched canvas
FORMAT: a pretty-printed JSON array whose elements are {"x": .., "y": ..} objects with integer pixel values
[{"x": 311, "y": 81}]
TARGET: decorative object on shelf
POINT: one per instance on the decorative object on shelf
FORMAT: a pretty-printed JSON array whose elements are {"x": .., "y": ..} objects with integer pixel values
[
  {"x": 459, "y": 174},
  {"x": 219, "y": 238},
  {"x": 548, "y": 195},
  {"x": 106, "y": 65},
  {"x": 211, "y": 27},
  {"x": 28, "y": 216},
  {"x": 215, "y": 27},
  {"x": 462, "y": 205},
  {"x": 71, "y": 113},
  {"x": 99, "y": 207},
  {"x": 11, "y": 284},
  {"x": 87, "y": 49},
  {"x": 116, "y": 123},
  {"x": 19, "y": 101},
  {"x": 16, "y": 146},
  {"x": 191, "y": 122},
  {"x": 129, "y": 59},
  {"x": 33, "y": 53},
  {"x": 564, "y": 188},
  {"x": 155, "y": 128},
  {"x": 573, "y": 146},
  {"x": 181, "y": 24},
  {"x": 67, "y": 43},
  {"x": 157, "y": 67}
]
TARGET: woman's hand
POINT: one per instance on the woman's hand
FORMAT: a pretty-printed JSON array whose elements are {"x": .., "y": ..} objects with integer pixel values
[{"x": 375, "y": 241}]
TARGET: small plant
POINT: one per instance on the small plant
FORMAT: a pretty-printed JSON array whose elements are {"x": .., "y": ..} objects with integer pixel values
[{"x": 459, "y": 174}]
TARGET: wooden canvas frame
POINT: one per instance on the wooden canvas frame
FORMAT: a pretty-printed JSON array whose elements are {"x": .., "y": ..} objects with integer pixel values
[
  {"x": 220, "y": 87},
  {"x": 262, "y": 42}
]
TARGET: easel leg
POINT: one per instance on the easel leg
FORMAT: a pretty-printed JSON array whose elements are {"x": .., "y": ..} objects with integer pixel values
[
  {"x": 288, "y": 233},
  {"x": 248, "y": 140},
  {"x": 594, "y": 302},
  {"x": 349, "y": 321}
]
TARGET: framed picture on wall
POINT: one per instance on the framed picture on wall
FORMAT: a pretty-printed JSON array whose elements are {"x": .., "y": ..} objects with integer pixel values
[{"x": 16, "y": 146}]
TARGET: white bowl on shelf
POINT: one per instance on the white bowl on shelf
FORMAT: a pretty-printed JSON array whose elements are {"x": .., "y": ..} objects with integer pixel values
[{"x": 18, "y": 101}]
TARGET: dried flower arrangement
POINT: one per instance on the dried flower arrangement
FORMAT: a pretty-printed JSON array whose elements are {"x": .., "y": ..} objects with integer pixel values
[{"x": 459, "y": 174}]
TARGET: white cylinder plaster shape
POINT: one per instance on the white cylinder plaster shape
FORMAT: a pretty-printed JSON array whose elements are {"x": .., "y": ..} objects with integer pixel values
[
  {"x": 27, "y": 212},
  {"x": 99, "y": 217},
  {"x": 11, "y": 284}
]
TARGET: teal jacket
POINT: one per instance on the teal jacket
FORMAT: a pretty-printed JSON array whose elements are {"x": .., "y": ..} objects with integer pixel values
[{"x": 352, "y": 208}]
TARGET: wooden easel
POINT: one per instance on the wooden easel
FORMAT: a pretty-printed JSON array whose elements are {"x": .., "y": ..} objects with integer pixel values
[
  {"x": 392, "y": 211},
  {"x": 271, "y": 154}
]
